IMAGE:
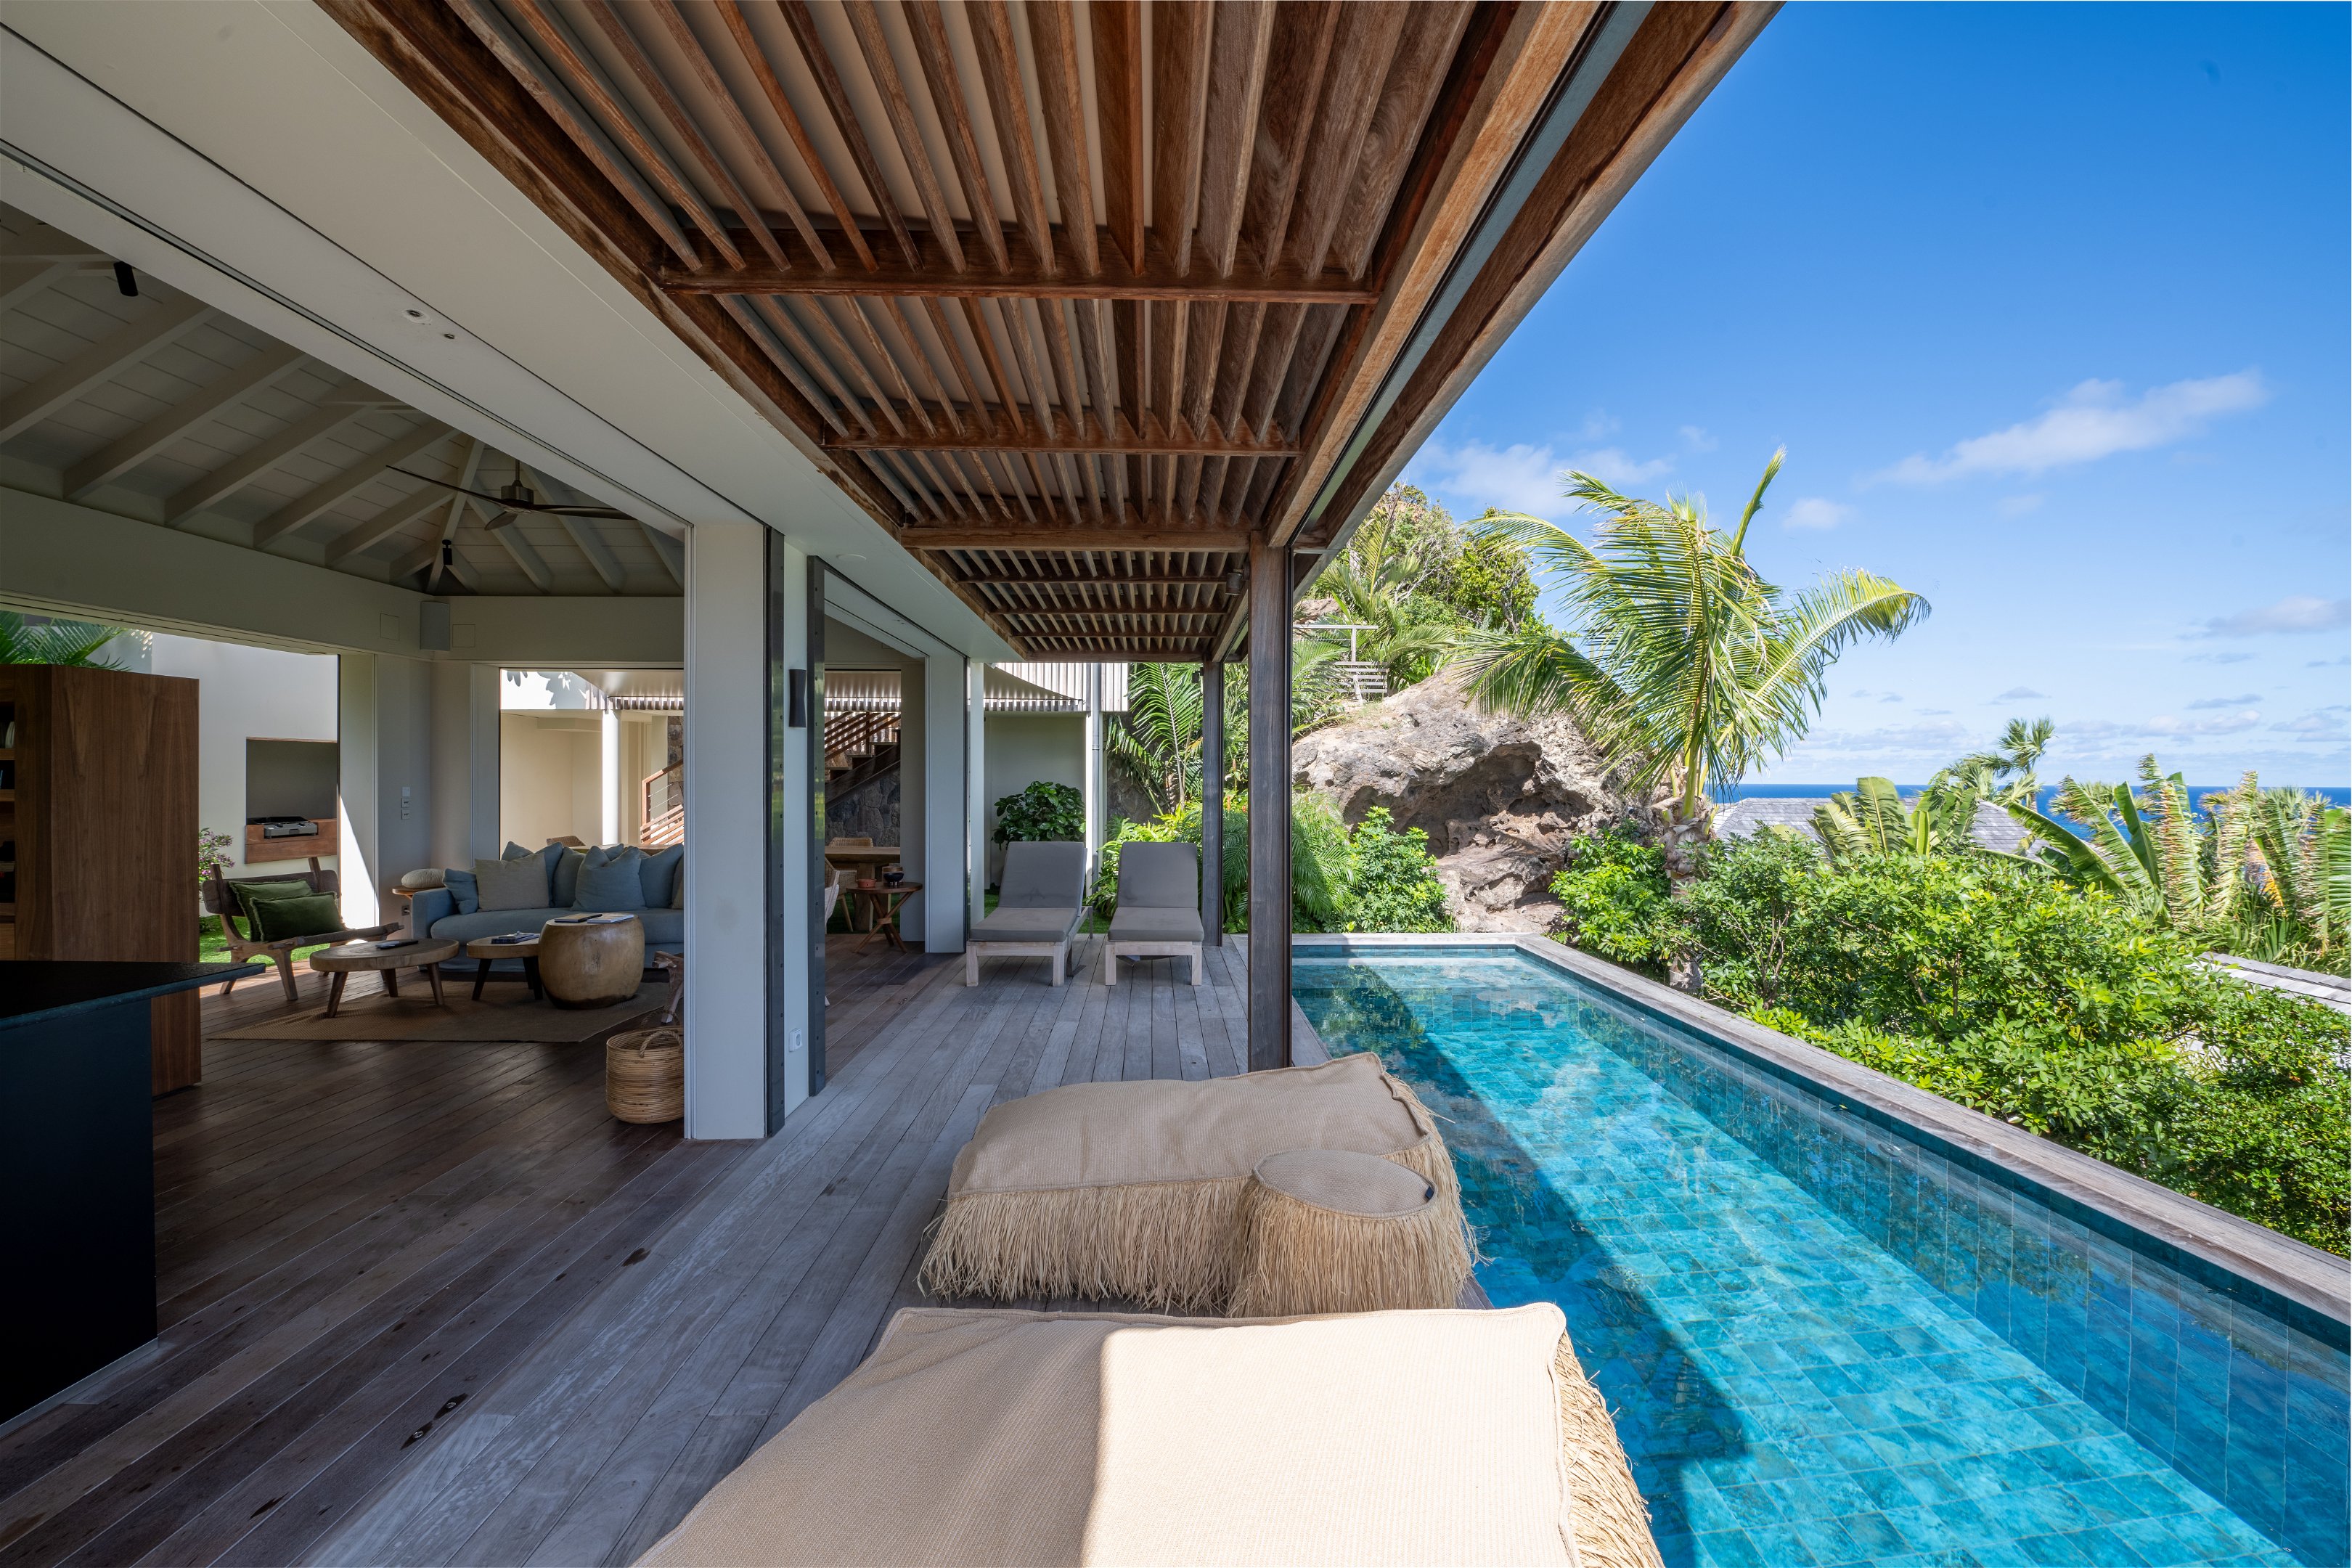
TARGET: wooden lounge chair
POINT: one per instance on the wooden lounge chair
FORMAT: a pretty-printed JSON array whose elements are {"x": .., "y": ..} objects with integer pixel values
[
  {"x": 245, "y": 946},
  {"x": 1039, "y": 899},
  {"x": 1159, "y": 913}
]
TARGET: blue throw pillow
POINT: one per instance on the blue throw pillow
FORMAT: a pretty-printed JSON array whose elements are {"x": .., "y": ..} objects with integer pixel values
[
  {"x": 549, "y": 858},
  {"x": 463, "y": 889},
  {"x": 660, "y": 874},
  {"x": 609, "y": 880},
  {"x": 567, "y": 879}
]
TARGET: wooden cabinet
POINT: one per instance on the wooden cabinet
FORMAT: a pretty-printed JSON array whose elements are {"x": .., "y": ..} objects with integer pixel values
[{"x": 101, "y": 813}]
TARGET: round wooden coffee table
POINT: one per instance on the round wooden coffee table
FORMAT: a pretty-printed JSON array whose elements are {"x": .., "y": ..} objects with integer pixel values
[
  {"x": 338, "y": 963},
  {"x": 591, "y": 960},
  {"x": 488, "y": 950}
]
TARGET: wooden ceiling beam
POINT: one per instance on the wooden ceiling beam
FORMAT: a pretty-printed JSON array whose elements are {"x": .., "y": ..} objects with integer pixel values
[
  {"x": 932, "y": 275},
  {"x": 988, "y": 432},
  {"x": 1216, "y": 580},
  {"x": 1058, "y": 540}
]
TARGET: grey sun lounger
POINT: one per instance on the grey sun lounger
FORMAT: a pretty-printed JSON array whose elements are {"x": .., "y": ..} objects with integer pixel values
[
  {"x": 1159, "y": 913},
  {"x": 1037, "y": 907}
]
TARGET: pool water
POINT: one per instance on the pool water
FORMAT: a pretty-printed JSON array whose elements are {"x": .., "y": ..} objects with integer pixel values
[{"x": 1823, "y": 1343}]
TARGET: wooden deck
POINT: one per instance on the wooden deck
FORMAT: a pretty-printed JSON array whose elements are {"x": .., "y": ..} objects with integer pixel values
[{"x": 431, "y": 1304}]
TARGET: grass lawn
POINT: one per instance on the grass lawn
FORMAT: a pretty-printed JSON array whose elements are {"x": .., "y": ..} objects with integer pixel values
[{"x": 212, "y": 943}]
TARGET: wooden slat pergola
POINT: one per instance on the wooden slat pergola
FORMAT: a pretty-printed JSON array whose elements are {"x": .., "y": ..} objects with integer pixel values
[{"x": 1118, "y": 316}]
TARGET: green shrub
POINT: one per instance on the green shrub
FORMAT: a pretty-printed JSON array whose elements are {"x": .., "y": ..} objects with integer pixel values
[
  {"x": 1392, "y": 880},
  {"x": 1043, "y": 813},
  {"x": 1615, "y": 901}
]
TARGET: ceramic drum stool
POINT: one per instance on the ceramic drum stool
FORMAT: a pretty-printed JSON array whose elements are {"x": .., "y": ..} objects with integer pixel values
[
  {"x": 594, "y": 962},
  {"x": 1324, "y": 1230}
]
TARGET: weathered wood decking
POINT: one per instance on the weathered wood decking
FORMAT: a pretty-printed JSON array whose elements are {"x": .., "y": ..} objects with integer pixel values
[{"x": 427, "y": 1304}]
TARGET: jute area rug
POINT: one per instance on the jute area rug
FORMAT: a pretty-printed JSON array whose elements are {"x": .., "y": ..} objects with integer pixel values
[{"x": 504, "y": 1012}]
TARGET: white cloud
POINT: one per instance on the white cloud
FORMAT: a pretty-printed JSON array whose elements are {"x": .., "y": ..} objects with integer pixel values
[
  {"x": 2219, "y": 658},
  {"x": 2339, "y": 660},
  {"x": 1697, "y": 439},
  {"x": 2224, "y": 701},
  {"x": 2016, "y": 506},
  {"x": 2322, "y": 722},
  {"x": 2295, "y": 613},
  {"x": 1934, "y": 712},
  {"x": 2229, "y": 724},
  {"x": 1891, "y": 697},
  {"x": 2163, "y": 727},
  {"x": 2019, "y": 694},
  {"x": 1522, "y": 478},
  {"x": 2093, "y": 421},
  {"x": 1816, "y": 512}
]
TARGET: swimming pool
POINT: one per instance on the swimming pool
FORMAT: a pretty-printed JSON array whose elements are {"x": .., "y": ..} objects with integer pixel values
[{"x": 1827, "y": 1342}]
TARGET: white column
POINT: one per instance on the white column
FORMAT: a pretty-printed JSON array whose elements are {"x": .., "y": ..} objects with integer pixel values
[
  {"x": 483, "y": 711},
  {"x": 609, "y": 754},
  {"x": 947, "y": 801},
  {"x": 726, "y": 832},
  {"x": 796, "y": 809},
  {"x": 975, "y": 779},
  {"x": 355, "y": 790},
  {"x": 1092, "y": 790}
]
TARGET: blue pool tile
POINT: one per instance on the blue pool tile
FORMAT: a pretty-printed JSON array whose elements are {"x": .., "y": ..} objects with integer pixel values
[{"x": 1824, "y": 1342}]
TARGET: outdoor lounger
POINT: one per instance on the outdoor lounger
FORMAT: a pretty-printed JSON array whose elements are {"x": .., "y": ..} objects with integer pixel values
[
  {"x": 1037, "y": 907},
  {"x": 1133, "y": 1191},
  {"x": 1159, "y": 913},
  {"x": 1000, "y": 1437}
]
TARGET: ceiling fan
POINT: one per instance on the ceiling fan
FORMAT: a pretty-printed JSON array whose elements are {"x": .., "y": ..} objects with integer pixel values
[{"x": 517, "y": 496}]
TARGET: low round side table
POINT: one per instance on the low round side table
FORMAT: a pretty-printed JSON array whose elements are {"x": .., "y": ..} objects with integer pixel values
[
  {"x": 488, "y": 950},
  {"x": 338, "y": 963},
  {"x": 596, "y": 960}
]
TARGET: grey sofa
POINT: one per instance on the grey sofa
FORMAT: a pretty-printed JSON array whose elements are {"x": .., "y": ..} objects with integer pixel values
[{"x": 433, "y": 912}]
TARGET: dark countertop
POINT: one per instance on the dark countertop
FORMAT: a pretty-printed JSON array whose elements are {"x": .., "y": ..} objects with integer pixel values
[{"x": 34, "y": 989}]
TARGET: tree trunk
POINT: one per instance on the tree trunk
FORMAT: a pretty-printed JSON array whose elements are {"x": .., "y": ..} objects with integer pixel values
[{"x": 1683, "y": 840}]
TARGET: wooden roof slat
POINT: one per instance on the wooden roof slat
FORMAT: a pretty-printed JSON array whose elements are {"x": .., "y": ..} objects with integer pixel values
[
  {"x": 1053, "y": 42},
  {"x": 771, "y": 87},
  {"x": 1117, "y": 30},
  {"x": 928, "y": 24},
  {"x": 804, "y": 33},
  {"x": 715, "y": 87},
  {"x": 866, "y": 26},
  {"x": 682, "y": 124},
  {"x": 560, "y": 104},
  {"x": 986, "y": 433},
  {"x": 1008, "y": 108},
  {"x": 581, "y": 76},
  {"x": 798, "y": 361},
  {"x": 1135, "y": 535},
  {"x": 1180, "y": 49}
]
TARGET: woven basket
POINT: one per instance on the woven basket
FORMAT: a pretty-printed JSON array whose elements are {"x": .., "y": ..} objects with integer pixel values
[{"x": 644, "y": 1075}]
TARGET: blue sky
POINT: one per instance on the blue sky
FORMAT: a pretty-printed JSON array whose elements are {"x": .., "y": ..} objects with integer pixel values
[{"x": 2049, "y": 305}]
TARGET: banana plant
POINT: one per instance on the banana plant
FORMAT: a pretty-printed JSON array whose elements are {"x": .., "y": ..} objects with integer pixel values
[{"x": 1870, "y": 818}]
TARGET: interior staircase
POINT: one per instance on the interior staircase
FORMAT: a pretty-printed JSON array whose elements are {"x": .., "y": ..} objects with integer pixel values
[{"x": 860, "y": 746}]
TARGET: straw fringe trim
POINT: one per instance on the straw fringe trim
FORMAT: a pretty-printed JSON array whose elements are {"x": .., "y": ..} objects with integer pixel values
[
  {"x": 1299, "y": 1258},
  {"x": 1170, "y": 1245},
  {"x": 1608, "y": 1522}
]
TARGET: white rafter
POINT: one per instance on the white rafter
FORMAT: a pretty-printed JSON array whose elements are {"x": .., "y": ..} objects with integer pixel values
[
  {"x": 526, "y": 556},
  {"x": 365, "y": 536},
  {"x": 21, "y": 279},
  {"x": 30, "y": 404},
  {"x": 119, "y": 457},
  {"x": 591, "y": 543},
  {"x": 671, "y": 551},
  {"x": 333, "y": 492},
  {"x": 240, "y": 471}
]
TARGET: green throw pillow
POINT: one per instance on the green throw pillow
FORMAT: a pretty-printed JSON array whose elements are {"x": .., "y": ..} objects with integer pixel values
[
  {"x": 250, "y": 896},
  {"x": 314, "y": 914}
]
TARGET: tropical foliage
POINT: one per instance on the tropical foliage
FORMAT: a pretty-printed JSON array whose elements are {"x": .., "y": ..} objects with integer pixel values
[
  {"x": 1367, "y": 879},
  {"x": 1680, "y": 659},
  {"x": 1988, "y": 981},
  {"x": 28, "y": 640},
  {"x": 1414, "y": 580},
  {"x": 1043, "y": 813}
]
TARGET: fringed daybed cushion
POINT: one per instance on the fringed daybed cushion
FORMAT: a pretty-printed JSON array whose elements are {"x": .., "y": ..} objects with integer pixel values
[
  {"x": 1006, "y": 1437},
  {"x": 1133, "y": 1190}
]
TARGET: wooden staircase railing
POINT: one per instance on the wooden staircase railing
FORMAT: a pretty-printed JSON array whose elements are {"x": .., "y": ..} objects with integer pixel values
[{"x": 664, "y": 803}]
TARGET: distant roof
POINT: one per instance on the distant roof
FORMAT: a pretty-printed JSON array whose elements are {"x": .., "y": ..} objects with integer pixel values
[{"x": 1993, "y": 829}]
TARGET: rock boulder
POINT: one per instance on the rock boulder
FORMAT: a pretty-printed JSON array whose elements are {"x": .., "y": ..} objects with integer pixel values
[{"x": 1501, "y": 798}]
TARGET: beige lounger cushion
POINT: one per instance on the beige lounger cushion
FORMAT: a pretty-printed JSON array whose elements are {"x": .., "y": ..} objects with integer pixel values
[
  {"x": 1132, "y": 1191},
  {"x": 1004, "y": 1438}
]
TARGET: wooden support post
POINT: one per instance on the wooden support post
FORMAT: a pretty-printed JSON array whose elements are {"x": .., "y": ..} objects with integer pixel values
[
  {"x": 1269, "y": 803},
  {"x": 1212, "y": 804}
]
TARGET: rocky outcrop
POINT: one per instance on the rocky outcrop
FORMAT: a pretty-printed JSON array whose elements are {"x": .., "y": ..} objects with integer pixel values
[{"x": 1500, "y": 798}]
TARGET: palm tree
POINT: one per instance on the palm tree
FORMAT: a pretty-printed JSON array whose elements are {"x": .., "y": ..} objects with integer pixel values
[
  {"x": 2145, "y": 847},
  {"x": 1683, "y": 665},
  {"x": 23, "y": 641},
  {"x": 1872, "y": 818},
  {"x": 2005, "y": 771},
  {"x": 1158, "y": 739}
]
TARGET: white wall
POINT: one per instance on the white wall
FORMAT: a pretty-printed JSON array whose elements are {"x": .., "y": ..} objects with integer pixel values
[
  {"x": 550, "y": 771},
  {"x": 245, "y": 693},
  {"x": 1024, "y": 748}
]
